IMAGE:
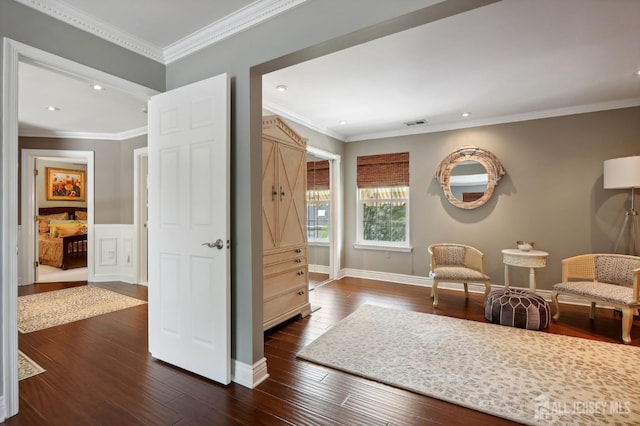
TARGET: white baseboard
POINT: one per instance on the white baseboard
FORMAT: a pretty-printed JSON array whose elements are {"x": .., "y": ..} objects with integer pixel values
[
  {"x": 387, "y": 276},
  {"x": 428, "y": 282},
  {"x": 247, "y": 375},
  {"x": 319, "y": 269},
  {"x": 3, "y": 409}
]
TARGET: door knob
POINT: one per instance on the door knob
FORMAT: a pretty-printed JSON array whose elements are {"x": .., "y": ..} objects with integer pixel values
[{"x": 219, "y": 244}]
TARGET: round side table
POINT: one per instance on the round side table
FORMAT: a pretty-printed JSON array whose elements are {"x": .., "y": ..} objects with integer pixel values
[{"x": 527, "y": 259}]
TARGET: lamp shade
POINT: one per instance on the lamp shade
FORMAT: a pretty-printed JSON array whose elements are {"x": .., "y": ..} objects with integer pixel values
[{"x": 622, "y": 172}]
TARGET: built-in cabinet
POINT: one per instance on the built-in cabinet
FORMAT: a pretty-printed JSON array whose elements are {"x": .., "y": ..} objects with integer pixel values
[{"x": 284, "y": 175}]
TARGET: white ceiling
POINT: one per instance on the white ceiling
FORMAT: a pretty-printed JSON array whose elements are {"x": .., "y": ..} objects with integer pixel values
[{"x": 509, "y": 61}]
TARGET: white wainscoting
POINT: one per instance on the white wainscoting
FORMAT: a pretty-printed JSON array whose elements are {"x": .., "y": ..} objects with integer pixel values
[{"x": 114, "y": 258}]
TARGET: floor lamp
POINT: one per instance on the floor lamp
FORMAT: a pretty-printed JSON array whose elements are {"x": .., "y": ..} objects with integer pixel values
[{"x": 624, "y": 173}]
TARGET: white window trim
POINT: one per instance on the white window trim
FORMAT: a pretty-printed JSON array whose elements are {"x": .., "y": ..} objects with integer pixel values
[
  {"x": 362, "y": 244},
  {"x": 380, "y": 245}
]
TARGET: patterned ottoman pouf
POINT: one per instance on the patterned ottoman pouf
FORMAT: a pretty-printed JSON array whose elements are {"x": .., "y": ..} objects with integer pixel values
[{"x": 517, "y": 308}]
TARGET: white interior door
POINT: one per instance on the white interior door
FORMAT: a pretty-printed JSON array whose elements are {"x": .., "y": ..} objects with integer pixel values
[{"x": 189, "y": 303}]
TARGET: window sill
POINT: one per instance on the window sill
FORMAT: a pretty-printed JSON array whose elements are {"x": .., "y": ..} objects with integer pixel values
[
  {"x": 406, "y": 248},
  {"x": 319, "y": 243}
]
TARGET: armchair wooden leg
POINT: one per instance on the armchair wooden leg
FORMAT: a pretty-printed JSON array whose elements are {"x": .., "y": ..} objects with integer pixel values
[
  {"x": 466, "y": 290},
  {"x": 487, "y": 289},
  {"x": 434, "y": 293},
  {"x": 556, "y": 306},
  {"x": 627, "y": 322},
  {"x": 592, "y": 311}
]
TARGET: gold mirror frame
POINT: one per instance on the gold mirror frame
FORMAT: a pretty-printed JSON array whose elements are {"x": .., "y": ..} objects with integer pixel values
[{"x": 470, "y": 153}]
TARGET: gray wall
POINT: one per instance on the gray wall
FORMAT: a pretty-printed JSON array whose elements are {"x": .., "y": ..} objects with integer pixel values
[
  {"x": 113, "y": 180},
  {"x": 307, "y": 31},
  {"x": 551, "y": 194}
]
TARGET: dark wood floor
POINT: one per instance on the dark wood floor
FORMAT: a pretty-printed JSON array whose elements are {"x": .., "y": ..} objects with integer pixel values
[{"x": 99, "y": 370}]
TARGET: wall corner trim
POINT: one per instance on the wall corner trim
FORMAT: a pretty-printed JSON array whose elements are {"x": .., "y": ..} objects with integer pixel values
[
  {"x": 247, "y": 375},
  {"x": 3, "y": 409}
]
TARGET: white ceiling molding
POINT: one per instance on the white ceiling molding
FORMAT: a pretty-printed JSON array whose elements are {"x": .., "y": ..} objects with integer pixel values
[
  {"x": 232, "y": 24},
  {"x": 277, "y": 110},
  {"x": 559, "y": 112},
  {"x": 43, "y": 133},
  {"x": 247, "y": 17},
  {"x": 96, "y": 27}
]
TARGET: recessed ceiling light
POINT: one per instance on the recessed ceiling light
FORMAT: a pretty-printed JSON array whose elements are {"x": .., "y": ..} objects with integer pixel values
[
  {"x": 638, "y": 73},
  {"x": 281, "y": 88},
  {"x": 343, "y": 122},
  {"x": 466, "y": 114},
  {"x": 52, "y": 108},
  {"x": 97, "y": 87}
]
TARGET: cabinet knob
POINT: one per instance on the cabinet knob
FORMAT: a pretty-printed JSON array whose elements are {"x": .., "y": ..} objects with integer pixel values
[
  {"x": 298, "y": 250},
  {"x": 301, "y": 293},
  {"x": 300, "y": 273},
  {"x": 298, "y": 260}
]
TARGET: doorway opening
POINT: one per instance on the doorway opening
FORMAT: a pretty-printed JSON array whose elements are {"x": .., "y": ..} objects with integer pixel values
[
  {"x": 13, "y": 53},
  {"x": 34, "y": 268},
  {"x": 324, "y": 218}
]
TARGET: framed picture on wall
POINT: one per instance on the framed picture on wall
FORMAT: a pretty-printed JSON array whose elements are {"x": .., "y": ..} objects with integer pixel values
[{"x": 65, "y": 185}]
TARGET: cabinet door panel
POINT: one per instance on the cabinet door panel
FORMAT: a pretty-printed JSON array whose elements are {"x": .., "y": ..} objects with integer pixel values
[
  {"x": 269, "y": 200},
  {"x": 292, "y": 176}
]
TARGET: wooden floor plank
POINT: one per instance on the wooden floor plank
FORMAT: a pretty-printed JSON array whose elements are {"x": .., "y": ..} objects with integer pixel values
[{"x": 99, "y": 370}]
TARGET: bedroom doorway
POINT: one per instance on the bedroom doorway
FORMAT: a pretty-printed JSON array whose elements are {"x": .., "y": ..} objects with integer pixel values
[
  {"x": 13, "y": 263},
  {"x": 33, "y": 199}
]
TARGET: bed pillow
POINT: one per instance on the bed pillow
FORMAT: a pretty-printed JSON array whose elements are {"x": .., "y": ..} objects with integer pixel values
[
  {"x": 44, "y": 221},
  {"x": 65, "y": 228},
  {"x": 80, "y": 215}
]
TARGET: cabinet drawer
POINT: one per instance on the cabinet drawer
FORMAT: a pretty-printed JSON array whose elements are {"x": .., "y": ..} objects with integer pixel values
[
  {"x": 279, "y": 283},
  {"x": 285, "y": 302},
  {"x": 280, "y": 256},
  {"x": 275, "y": 268}
]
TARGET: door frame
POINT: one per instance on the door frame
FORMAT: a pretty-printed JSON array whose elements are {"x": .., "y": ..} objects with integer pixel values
[
  {"x": 13, "y": 53},
  {"x": 27, "y": 247},
  {"x": 336, "y": 209},
  {"x": 140, "y": 155}
]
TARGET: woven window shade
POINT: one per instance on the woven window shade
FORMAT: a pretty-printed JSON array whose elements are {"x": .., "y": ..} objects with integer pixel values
[
  {"x": 318, "y": 175},
  {"x": 383, "y": 170}
]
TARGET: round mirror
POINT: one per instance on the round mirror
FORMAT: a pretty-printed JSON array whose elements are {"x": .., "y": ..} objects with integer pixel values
[{"x": 468, "y": 176}]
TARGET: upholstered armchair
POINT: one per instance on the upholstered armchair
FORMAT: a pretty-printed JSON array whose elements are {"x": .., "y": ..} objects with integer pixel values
[
  {"x": 457, "y": 263},
  {"x": 606, "y": 279}
]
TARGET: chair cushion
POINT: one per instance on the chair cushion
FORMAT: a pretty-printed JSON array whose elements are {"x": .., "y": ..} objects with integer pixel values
[
  {"x": 459, "y": 273},
  {"x": 616, "y": 269},
  {"x": 612, "y": 293},
  {"x": 448, "y": 255},
  {"x": 517, "y": 308}
]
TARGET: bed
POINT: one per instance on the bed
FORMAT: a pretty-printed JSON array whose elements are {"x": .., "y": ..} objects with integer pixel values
[{"x": 62, "y": 237}]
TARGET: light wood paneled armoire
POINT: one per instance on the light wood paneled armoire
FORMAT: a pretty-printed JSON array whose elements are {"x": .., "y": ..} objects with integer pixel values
[{"x": 284, "y": 176}]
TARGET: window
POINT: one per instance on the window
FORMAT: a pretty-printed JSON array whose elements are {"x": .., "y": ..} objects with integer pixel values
[
  {"x": 318, "y": 215},
  {"x": 383, "y": 201},
  {"x": 318, "y": 196}
]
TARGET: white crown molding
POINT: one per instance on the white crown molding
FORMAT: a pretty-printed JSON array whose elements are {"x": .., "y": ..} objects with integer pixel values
[
  {"x": 282, "y": 112},
  {"x": 242, "y": 19},
  {"x": 535, "y": 115},
  {"x": 44, "y": 133},
  {"x": 95, "y": 26}
]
